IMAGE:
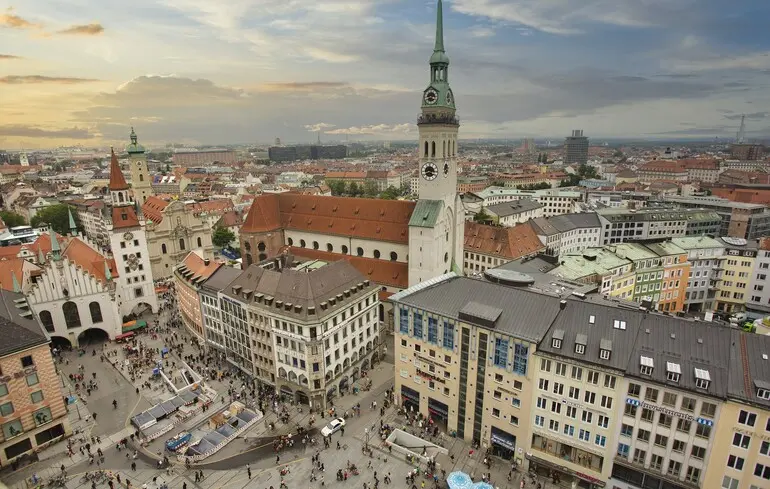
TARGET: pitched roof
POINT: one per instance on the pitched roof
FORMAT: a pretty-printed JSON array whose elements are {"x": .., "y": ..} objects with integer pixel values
[
  {"x": 507, "y": 242},
  {"x": 196, "y": 268},
  {"x": 426, "y": 213},
  {"x": 17, "y": 328},
  {"x": 220, "y": 279},
  {"x": 124, "y": 217},
  {"x": 89, "y": 259},
  {"x": 749, "y": 366},
  {"x": 383, "y": 272},
  {"x": 10, "y": 269},
  {"x": 117, "y": 180},
  {"x": 230, "y": 219},
  {"x": 153, "y": 208},
  {"x": 376, "y": 219},
  {"x": 514, "y": 207},
  {"x": 217, "y": 206}
]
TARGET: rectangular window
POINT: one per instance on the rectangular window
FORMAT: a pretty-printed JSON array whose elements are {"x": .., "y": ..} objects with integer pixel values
[
  {"x": 417, "y": 325},
  {"x": 735, "y": 462},
  {"x": 432, "y": 330},
  {"x": 449, "y": 335},
  {"x": 520, "y": 359},
  {"x": 404, "y": 321},
  {"x": 747, "y": 418},
  {"x": 36, "y": 397},
  {"x": 501, "y": 352},
  {"x": 584, "y": 435},
  {"x": 6, "y": 409}
]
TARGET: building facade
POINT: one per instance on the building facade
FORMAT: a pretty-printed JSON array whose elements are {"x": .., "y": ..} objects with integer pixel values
[
  {"x": 188, "y": 277},
  {"x": 734, "y": 274},
  {"x": 576, "y": 148}
]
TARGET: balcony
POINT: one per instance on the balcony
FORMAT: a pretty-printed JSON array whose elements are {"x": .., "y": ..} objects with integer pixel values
[{"x": 440, "y": 118}]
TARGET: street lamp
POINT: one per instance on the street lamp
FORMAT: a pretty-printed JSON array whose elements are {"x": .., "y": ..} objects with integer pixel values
[{"x": 366, "y": 432}]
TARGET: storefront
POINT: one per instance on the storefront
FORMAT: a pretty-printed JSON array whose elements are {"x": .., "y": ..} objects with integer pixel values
[
  {"x": 439, "y": 412},
  {"x": 563, "y": 475},
  {"x": 410, "y": 398},
  {"x": 503, "y": 444}
]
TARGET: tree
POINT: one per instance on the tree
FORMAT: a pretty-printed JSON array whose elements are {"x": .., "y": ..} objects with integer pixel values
[
  {"x": 354, "y": 189},
  {"x": 370, "y": 189},
  {"x": 337, "y": 187},
  {"x": 11, "y": 219},
  {"x": 390, "y": 193},
  {"x": 482, "y": 217},
  {"x": 222, "y": 237},
  {"x": 57, "y": 217}
]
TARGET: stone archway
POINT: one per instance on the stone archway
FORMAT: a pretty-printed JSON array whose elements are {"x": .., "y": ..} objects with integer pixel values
[
  {"x": 61, "y": 343},
  {"x": 302, "y": 380},
  {"x": 282, "y": 373},
  {"x": 292, "y": 377},
  {"x": 142, "y": 308},
  {"x": 346, "y": 363},
  {"x": 92, "y": 336},
  {"x": 364, "y": 365},
  {"x": 337, "y": 370}
]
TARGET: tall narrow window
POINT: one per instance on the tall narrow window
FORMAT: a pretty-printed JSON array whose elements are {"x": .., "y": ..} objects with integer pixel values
[
  {"x": 47, "y": 320},
  {"x": 181, "y": 244},
  {"x": 433, "y": 149},
  {"x": 71, "y": 314},
  {"x": 96, "y": 312},
  {"x": 426, "y": 149}
]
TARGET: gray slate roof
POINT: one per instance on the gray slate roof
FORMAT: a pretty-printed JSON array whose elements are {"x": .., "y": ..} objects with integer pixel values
[
  {"x": 565, "y": 222},
  {"x": 756, "y": 351},
  {"x": 18, "y": 328},
  {"x": 525, "y": 314},
  {"x": 576, "y": 321},
  {"x": 220, "y": 279},
  {"x": 515, "y": 207}
]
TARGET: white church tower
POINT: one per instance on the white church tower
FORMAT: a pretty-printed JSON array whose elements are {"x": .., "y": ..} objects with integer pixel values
[{"x": 437, "y": 226}]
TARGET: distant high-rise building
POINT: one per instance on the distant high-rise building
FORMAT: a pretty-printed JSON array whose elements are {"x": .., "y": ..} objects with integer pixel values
[
  {"x": 528, "y": 145},
  {"x": 741, "y": 136},
  {"x": 576, "y": 148}
]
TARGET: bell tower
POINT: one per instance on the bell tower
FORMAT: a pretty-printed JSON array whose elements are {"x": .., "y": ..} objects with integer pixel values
[
  {"x": 436, "y": 229},
  {"x": 140, "y": 174}
]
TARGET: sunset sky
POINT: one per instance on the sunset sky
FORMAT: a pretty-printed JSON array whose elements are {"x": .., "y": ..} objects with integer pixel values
[{"x": 248, "y": 71}]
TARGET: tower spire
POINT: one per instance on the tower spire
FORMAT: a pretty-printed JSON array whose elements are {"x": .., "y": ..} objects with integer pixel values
[
  {"x": 73, "y": 227},
  {"x": 439, "y": 27}
]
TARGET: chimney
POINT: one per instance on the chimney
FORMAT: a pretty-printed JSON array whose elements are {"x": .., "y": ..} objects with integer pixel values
[{"x": 206, "y": 261}]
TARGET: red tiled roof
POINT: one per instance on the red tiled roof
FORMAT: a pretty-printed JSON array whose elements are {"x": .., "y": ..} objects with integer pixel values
[
  {"x": 9, "y": 268},
  {"x": 153, "y": 209},
  {"x": 376, "y": 219},
  {"x": 700, "y": 164},
  {"x": 199, "y": 267},
  {"x": 663, "y": 166},
  {"x": 230, "y": 219},
  {"x": 124, "y": 217},
  {"x": 89, "y": 259},
  {"x": 508, "y": 242},
  {"x": 117, "y": 180},
  {"x": 219, "y": 206},
  {"x": 346, "y": 174},
  {"x": 384, "y": 272}
]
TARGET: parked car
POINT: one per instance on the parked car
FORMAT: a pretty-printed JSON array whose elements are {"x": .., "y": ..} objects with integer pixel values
[{"x": 334, "y": 426}]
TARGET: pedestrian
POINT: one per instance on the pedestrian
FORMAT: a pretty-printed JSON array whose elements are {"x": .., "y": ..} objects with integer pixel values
[
  {"x": 133, "y": 466},
  {"x": 322, "y": 480},
  {"x": 342, "y": 430},
  {"x": 248, "y": 471},
  {"x": 277, "y": 459},
  {"x": 184, "y": 486}
]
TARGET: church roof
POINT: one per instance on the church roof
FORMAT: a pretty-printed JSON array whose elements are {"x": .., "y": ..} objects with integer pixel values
[
  {"x": 153, "y": 208},
  {"x": 117, "y": 180},
  {"x": 375, "y": 219},
  {"x": 383, "y": 272},
  {"x": 426, "y": 213},
  {"x": 11, "y": 273},
  {"x": 506, "y": 242}
]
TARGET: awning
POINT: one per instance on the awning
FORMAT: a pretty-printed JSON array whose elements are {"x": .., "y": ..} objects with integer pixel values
[{"x": 124, "y": 336}]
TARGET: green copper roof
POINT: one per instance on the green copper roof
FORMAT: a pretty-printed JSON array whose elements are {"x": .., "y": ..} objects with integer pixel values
[
  {"x": 16, "y": 286},
  {"x": 439, "y": 56},
  {"x": 107, "y": 273},
  {"x": 426, "y": 213},
  {"x": 73, "y": 227},
  {"x": 134, "y": 147},
  {"x": 55, "y": 247}
]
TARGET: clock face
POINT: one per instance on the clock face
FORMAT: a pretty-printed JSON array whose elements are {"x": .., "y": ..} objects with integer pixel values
[
  {"x": 429, "y": 171},
  {"x": 446, "y": 169},
  {"x": 449, "y": 98},
  {"x": 431, "y": 97},
  {"x": 128, "y": 236}
]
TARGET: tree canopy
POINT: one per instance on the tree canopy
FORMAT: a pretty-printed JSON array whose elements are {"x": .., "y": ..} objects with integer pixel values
[
  {"x": 57, "y": 217},
  {"x": 222, "y": 237},
  {"x": 11, "y": 219}
]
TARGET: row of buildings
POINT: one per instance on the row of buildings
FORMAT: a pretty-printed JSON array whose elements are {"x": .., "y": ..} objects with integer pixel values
[{"x": 594, "y": 392}]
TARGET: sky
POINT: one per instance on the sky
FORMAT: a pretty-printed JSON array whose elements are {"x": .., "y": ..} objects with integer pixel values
[{"x": 83, "y": 72}]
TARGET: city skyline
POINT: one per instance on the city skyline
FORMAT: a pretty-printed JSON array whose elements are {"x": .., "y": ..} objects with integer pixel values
[{"x": 194, "y": 72}]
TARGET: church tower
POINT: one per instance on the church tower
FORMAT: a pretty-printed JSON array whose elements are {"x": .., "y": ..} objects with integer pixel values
[
  {"x": 128, "y": 243},
  {"x": 140, "y": 174},
  {"x": 436, "y": 229}
]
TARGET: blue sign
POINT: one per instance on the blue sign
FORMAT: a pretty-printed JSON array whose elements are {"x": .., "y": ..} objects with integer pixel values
[{"x": 229, "y": 254}]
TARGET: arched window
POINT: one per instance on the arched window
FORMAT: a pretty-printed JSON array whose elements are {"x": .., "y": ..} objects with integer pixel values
[
  {"x": 96, "y": 312},
  {"x": 141, "y": 177},
  {"x": 163, "y": 248},
  {"x": 71, "y": 314},
  {"x": 181, "y": 243},
  {"x": 200, "y": 243},
  {"x": 344, "y": 250},
  {"x": 261, "y": 246},
  {"x": 315, "y": 245},
  {"x": 329, "y": 247},
  {"x": 302, "y": 243},
  {"x": 393, "y": 256},
  {"x": 262, "y": 257},
  {"x": 426, "y": 149},
  {"x": 247, "y": 246},
  {"x": 290, "y": 241},
  {"x": 47, "y": 320},
  {"x": 120, "y": 196},
  {"x": 249, "y": 260},
  {"x": 446, "y": 257},
  {"x": 360, "y": 251},
  {"x": 376, "y": 253},
  {"x": 433, "y": 149}
]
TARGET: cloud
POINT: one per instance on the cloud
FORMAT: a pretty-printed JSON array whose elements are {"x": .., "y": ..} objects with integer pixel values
[
  {"x": 301, "y": 86},
  {"x": 482, "y": 32},
  {"x": 9, "y": 56},
  {"x": 84, "y": 30},
  {"x": 320, "y": 126},
  {"x": 37, "y": 132},
  {"x": 376, "y": 130},
  {"x": 38, "y": 79},
  {"x": 755, "y": 116},
  {"x": 15, "y": 22},
  {"x": 751, "y": 61}
]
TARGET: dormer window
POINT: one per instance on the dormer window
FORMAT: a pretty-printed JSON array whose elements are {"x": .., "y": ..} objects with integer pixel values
[
  {"x": 647, "y": 366},
  {"x": 580, "y": 349},
  {"x": 581, "y": 341},
  {"x": 604, "y": 354},
  {"x": 557, "y": 338},
  {"x": 618, "y": 324},
  {"x": 702, "y": 379},
  {"x": 673, "y": 371},
  {"x": 556, "y": 343},
  {"x": 591, "y": 319},
  {"x": 763, "y": 394}
]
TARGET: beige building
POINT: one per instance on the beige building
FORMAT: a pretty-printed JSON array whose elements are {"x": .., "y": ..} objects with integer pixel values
[
  {"x": 188, "y": 278},
  {"x": 32, "y": 411},
  {"x": 741, "y": 459},
  {"x": 734, "y": 274},
  {"x": 172, "y": 232}
]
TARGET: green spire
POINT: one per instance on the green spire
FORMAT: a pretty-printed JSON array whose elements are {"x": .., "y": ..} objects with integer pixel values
[
  {"x": 439, "y": 27},
  {"x": 133, "y": 136},
  {"x": 107, "y": 273},
  {"x": 40, "y": 256},
  {"x": 73, "y": 227},
  {"x": 55, "y": 248},
  {"x": 16, "y": 286}
]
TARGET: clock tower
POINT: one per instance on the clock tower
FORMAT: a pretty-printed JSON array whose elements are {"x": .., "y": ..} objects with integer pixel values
[
  {"x": 436, "y": 230},
  {"x": 141, "y": 184}
]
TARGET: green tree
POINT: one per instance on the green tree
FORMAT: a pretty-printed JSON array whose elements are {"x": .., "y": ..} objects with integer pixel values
[
  {"x": 483, "y": 217},
  {"x": 354, "y": 190},
  {"x": 222, "y": 237},
  {"x": 56, "y": 216},
  {"x": 370, "y": 189},
  {"x": 11, "y": 219},
  {"x": 390, "y": 193},
  {"x": 337, "y": 187}
]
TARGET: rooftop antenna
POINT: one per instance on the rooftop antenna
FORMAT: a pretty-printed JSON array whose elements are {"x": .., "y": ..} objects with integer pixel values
[{"x": 741, "y": 136}]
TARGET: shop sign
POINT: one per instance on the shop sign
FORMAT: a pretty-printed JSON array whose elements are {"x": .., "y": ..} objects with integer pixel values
[
  {"x": 427, "y": 375},
  {"x": 661, "y": 409},
  {"x": 503, "y": 442}
]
